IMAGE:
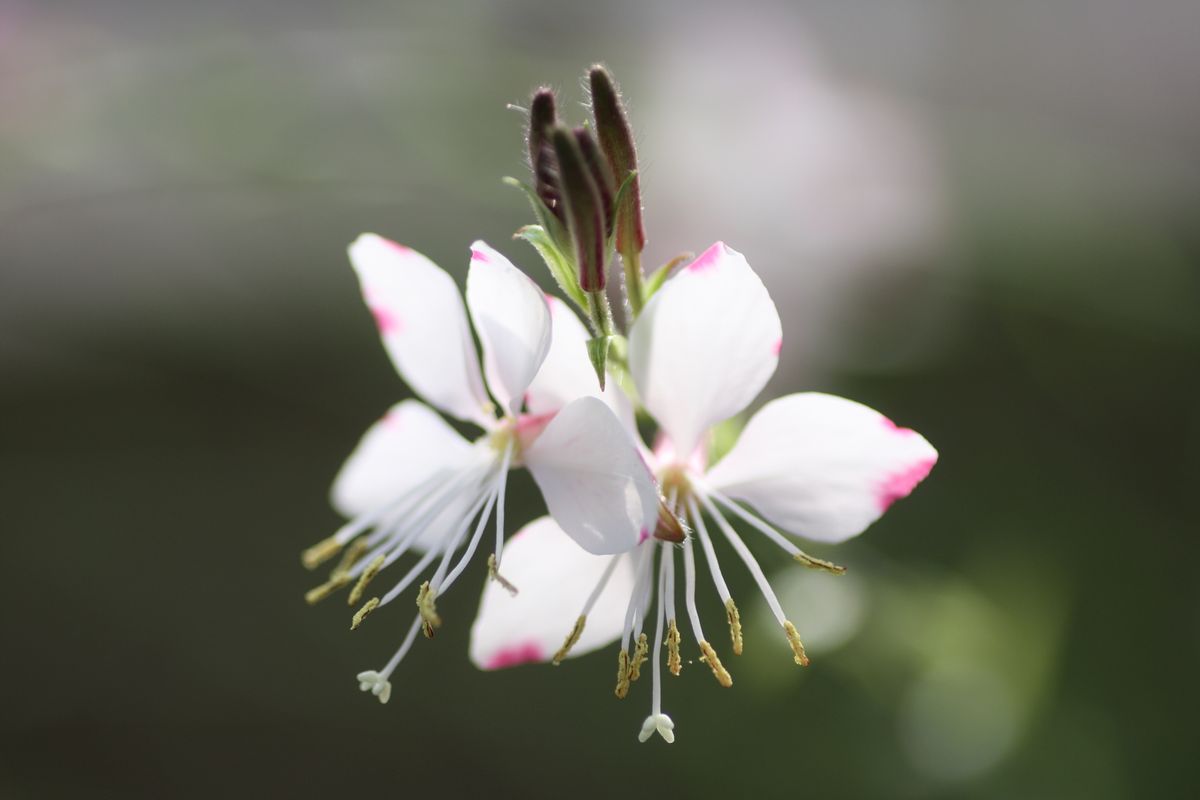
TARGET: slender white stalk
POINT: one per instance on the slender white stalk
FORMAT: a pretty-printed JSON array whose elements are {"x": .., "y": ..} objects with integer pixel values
[
  {"x": 631, "y": 609},
  {"x": 600, "y": 584},
  {"x": 370, "y": 518},
  {"x": 498, "y": 494},
  {"x": 656, "y": 653},
  {"x": 689, "y": 576},
  {"x": 751, "y": 564},
  {"x": 713, "y": 566},
  {"x": 409, "y": 638},
  {"x": 774, "y": 535},
  {"x": 500, "y": 503}
]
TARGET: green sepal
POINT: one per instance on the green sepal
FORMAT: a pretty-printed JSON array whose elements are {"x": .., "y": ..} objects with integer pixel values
[
  {"x": 598, "y": 354},
  {"x": 545, "y": 217},
  {"x": 660, "y": 275},
  {"x": 560, "y": 268},
  {"x": 622, "y": 192}
]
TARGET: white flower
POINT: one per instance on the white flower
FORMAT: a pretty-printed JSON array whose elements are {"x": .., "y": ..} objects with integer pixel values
[
  {"x": 817, "y": 466},
  {"x": 414, "y": 484}
]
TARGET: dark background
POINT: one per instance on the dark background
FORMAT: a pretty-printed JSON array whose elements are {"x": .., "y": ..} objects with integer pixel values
[{"x": 978, "y": 218}]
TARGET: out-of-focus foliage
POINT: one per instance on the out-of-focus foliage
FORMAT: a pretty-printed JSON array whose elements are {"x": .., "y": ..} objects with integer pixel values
[{"x": 977, "y": 218}]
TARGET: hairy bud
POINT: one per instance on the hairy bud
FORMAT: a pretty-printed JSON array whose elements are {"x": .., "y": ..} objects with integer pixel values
[
  {"x": 546, "y": 179},
  {"x": 601, "y": 173},
  {"x": 584, "y": 209},
  {"x": 616, "y": 140}
]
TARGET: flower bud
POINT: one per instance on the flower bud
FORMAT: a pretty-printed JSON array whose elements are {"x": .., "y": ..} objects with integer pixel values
[
  {"x": 584, "y": 209},
  {"x": 601, "y": 173},
  {"x": 546, "y": 179},
  {"x": 616, "y": 140}
]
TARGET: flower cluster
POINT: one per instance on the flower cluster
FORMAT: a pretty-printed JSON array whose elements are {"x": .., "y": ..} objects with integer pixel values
[{"x": 562, "y": 398}]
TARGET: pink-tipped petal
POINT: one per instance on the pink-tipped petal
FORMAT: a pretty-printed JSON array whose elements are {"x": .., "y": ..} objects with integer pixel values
[
  {"x": 593, "y": 480},
  {"x": 705, "y": 345},
  {"x": 513, "y": 323},
  {"x": 555, "y": 579},
  {"x": 822, "y": 467},
  {"x": 420, "y": 317}
]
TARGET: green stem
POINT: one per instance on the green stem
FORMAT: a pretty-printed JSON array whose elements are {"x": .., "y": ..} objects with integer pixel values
[
  {"x": 601, "y": 314},
  {"x": 632, "y": 261}
]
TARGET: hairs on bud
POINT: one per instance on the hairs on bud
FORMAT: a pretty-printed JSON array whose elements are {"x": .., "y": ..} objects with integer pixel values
[
  {"x": 616, "y": 140},
  {"x": 584, "y": 209}
]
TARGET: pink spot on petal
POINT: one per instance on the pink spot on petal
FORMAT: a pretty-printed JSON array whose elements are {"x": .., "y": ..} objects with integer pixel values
[
  {"x": 902, "y": 483},
  {"x": 708, "y": 259},
  {"x": 515, "y": 655},
  {"x": 480, "y": 256},
  {"x": 896, "y": 429},
  {"x": 777, "y": 348},
  {"x": 387, "y": 322},
  {"x": 644, "y": 535},
  {"x": 396, "y": 246}
]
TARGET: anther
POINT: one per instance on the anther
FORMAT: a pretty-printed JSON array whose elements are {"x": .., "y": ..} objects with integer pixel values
[
  {"x": 494, "y": 574},
  {"x": 368, "y": 574},
  {"x": 735, "y": 626},
  {"x": 353, "y": 553},
  {"x": 364, "y": 612},
  {"x": 428, "y": 610},
  {"x": 320, "y": 552},
  {"x": 719, "y": 672},
  {"x": 794, "y": 640},
  {"x": 640, "y": 654},
  {"x": 570, "y": 641},
  {"x": 674, "y": 662},
  {"x": 819, "y": 563},
  {"x": 319, "y": 593},
  {"x": 622, "y": 674}
]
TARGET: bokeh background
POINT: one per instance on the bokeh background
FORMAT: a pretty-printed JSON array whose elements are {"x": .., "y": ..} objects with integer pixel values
[{"x": 978, "y": 218}]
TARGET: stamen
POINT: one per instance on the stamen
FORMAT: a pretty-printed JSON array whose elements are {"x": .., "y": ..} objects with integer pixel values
[
  {"x": 319, "y": 593},
  {"x": 475, "y": 538},
  {"x": 751, "y": 564},
  {"x": 709, "y": 656},
  {"x": 794, "y": 640},
  {"x": 570, "y": 641},
  {"x": 352, "y": 554},
  {"x": 428, "y": 610},
  {"x": 321, "y": 552},
  {"x": 689, "y": 575},
  {"x": 796, "y": 553},
  {"x": 364, "y": 612},
  {"x": 631, "y": 610},
  {"x": 735, "y": 626},
  {"x": 639, "y": 657},
  {"x": 500, "y": 517},
  {"x": 622, "y": 674},
  {"x": 674, "y": 662},
  {"x": 495, "y": 575},
  {"x": 709, "y": 553},
  {"x": 368, "y": 574}
]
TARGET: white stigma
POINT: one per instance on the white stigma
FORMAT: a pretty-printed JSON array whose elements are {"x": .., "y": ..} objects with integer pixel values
[
  {"x": 658, "y": 723},
  {"x": 378, "y": 685}
]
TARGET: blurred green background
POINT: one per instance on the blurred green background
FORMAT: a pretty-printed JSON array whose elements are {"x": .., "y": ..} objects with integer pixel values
[{"x": 980, "y": 219}]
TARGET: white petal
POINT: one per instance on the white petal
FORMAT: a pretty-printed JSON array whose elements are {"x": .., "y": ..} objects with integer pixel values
[
  {"x": 555, "y": 578},
  {"x": 595, "y": 484},
  {"x": 567, "y": 373},
  {"x": 512, "y": 321},
  {"x": 405, "y": 447},
  {"x": 822, "y": 467},
  {"x": 705, "y": 345},
  {"x": 423, "y": 325}
]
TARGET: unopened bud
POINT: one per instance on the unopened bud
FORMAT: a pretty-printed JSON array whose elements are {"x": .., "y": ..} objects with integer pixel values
[
  {"x": 584, "y": 210},
  {"x": 616, "y": 140},
  {"x": 601, "y": 173},
  {"x": 546, "y": 180}
]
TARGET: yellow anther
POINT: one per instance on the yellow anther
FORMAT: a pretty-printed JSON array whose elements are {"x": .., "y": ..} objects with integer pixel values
[
  {"x": 570, "y": 641},
  {"x": 674, "y": 662},
  {"x": 794, "y": 640},
  {"x": 364, "y": 612},
  {"x": 353, "y": 553},
  {"x": 370, "y": 572},
  {"x": 639, "y": 657},
  {"x": 622, "y": 674},
  {"x": 819, "y": 563},
  {"x": 319, "y": 593},
  {"x": 735, "y": 626},
  {"x": 428, "y": 609},
  {"x": 719, "y": 672},
  {"x": 495, "y": 575},
  {"x": 320, "y": 552}
]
